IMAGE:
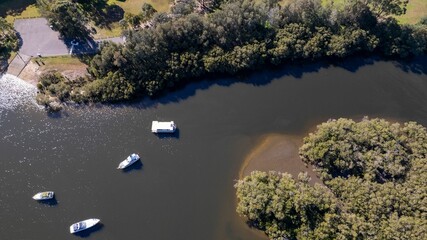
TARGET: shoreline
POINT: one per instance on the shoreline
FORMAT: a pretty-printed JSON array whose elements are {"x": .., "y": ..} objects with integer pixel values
[
  {"x": 277, "y": 152},
  {"x": 280, "y": 153}
]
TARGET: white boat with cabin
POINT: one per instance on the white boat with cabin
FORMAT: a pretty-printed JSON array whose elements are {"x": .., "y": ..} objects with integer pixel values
[
  {"x": 83, "y": 225},
  {"x": 163, "y": 127},
  {"x": 44, "y": 195},
  {"x": 131, "y": 159}
]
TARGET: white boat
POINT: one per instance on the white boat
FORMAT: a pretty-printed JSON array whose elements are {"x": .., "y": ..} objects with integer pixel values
[
  {"x": 131, "y": 159},
  {"x": 85, "y": 224},
  {"x": 163, "y": 127},
  {"x": 43, "y": 195}
]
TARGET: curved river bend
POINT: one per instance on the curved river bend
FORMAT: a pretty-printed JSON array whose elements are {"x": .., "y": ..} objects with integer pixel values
[{"x": 184, "y": 188}]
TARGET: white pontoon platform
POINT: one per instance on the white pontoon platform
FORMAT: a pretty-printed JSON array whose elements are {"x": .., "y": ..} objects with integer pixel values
[{"x": 163, "y": 127}]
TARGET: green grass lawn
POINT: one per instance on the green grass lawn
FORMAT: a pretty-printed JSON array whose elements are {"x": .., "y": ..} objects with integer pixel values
[
  {"x": 61, "y": 64},
  {"x": 67, "y": 60},
  {"x": 13, "y": 9},
  {"x": 416, "y": 10},
  {"x": 16, "y": 9},
  {"x": 113, "y": 31},
  {"x": 14, "y": 6},
  {"x": 30, "y": 11},
  {"x": 129, "y": 6},
  {"x": 134, "y": 6}
]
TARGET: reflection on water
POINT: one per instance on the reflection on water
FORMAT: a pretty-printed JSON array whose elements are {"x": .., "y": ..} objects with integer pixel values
[
  {"x": 184, "y": 189},
  {"x": 14, "y": 92}
]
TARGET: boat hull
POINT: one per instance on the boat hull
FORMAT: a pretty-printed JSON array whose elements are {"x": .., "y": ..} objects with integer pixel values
[
  {"x": 43, "y": 195},
  {"x": 84, "y": 225},
  {"x": 129, "y": 161}
]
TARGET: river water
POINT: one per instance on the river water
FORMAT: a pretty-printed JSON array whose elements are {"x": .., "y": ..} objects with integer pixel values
[{"x": 184, "y": 187}]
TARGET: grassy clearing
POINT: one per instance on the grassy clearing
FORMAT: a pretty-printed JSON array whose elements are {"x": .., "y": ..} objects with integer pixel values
[
  {"x": 417, "y": 9},
  {"x": 60, "y": 63},
  {"x": 134, "y": 6},
  {"x": 30, "y": 11},
  {"x": 15, "y": 9},
  {"x": 129, "y": 6},
  {"x": 113, "y": 31},
  {"x": 70, "y": 66},
  {"x": 67, "y": 60},
  {"x": 14, "y": 6}
]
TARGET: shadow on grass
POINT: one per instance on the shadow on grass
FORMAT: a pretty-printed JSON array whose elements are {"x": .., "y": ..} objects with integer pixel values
[{"x": 14, "y": 7}]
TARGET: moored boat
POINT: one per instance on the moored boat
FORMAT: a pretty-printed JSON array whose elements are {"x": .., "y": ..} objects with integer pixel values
[
  {"x": 163, "y": 127},
  {"x": 43, "y": 195},
  {"x": 131, "y": 159},
  {"x": 83, "y": 225}
]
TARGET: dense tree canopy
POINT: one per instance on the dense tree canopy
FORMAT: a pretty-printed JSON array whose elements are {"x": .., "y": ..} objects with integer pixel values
[
  {"x": 374, "y": 175},
  {"x": 240, "y": 35},
  {"x": 8, "y": 39},
  {"x": 74, "y": 18},
  {"x": 65, "y": 16}
]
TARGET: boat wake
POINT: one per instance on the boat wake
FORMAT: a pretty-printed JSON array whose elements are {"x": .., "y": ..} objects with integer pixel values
[{"x": 15, "y": 92}]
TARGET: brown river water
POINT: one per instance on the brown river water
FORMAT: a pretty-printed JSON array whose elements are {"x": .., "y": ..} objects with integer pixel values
[{"x": 183, "y": 187}]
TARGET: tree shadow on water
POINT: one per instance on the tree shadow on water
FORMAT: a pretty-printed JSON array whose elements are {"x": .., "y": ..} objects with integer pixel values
[
  {"x": 416, "y": 65},
  {"x": 259, "y": 77},
  {"x": 267, "y": 74},
  {"x": 354, "y": 63},
  {"x": 86, "y": 233},
  {"x": 296, "y": 70}
]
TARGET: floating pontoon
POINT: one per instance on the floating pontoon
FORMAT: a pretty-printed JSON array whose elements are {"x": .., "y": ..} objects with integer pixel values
[{"x": 163, "y": 127}]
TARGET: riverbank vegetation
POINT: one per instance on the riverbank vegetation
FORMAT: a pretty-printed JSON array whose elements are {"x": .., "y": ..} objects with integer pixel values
[
  {"x": 227, "y": 37},
  {"x": 8, "y": 41},
  {"x": 374, "y": 185}
]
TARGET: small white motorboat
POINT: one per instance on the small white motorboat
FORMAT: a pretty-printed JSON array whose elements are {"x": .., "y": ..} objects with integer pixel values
[
  {"x": 163, "y": 127},
  {"x": 131, "y": 159},
  {"x": 85, "y": 224},
  {"x": 43, "y": 195}
]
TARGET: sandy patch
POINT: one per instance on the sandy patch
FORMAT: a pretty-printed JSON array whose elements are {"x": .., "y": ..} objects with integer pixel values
[
  {"x": 277, "y": 153},
  {"x": 36, "y": 67},
  {"x": 30, "y": 73}
]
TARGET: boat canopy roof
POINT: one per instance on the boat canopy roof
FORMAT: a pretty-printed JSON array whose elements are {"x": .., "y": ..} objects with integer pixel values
[
  {"x": 79, "y": 225},
  {"x": 163, "y": 126}
]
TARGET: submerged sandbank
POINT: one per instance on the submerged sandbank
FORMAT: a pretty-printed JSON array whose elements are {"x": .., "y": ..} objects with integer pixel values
[{"x": 276, "y": 152}]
